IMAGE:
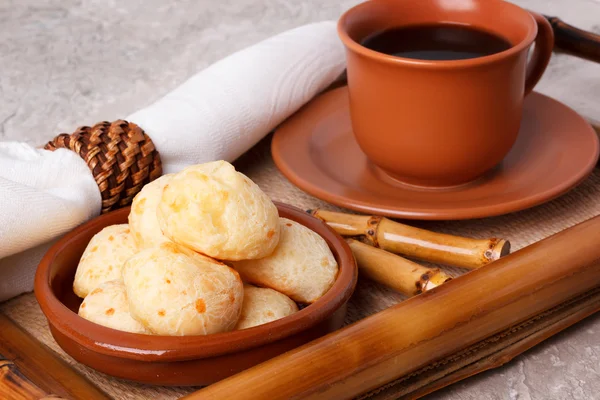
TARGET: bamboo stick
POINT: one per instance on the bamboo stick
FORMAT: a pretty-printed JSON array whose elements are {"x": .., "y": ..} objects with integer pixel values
[
  {"x": 492, "y": 352},
  {"x": 394, "y": 271},
  {"x": 414, "y": 242},
  {"x": 40, "y": 365},
  {"x": 580, "y": 43},
  {"x": 14, "y": 386},
  {"x": 397, "y": 341}
]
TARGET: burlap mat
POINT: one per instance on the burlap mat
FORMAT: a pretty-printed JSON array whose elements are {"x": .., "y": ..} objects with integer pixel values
[{"x": 522, "y": 228}]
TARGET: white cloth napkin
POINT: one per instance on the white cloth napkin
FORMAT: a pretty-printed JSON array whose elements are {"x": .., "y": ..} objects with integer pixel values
[{"x": 219, "y": 113}]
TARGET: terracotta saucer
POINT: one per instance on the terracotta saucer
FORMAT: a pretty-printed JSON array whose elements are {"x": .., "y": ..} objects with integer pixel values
[{"x": 315, "y": 149}]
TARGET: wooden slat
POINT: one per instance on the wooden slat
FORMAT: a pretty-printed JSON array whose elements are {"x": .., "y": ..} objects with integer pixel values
[
  {"x": 15, "y": 386},
  {"x": 42, "y": 366},
  {"x": 490, "y": 353}
]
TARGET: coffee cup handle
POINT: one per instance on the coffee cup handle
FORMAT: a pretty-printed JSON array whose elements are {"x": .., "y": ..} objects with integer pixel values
[{"x": 544, "y": 43}]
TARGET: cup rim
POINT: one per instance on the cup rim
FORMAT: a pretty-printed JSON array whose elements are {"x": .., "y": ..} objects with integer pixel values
[{"x": 356, "y": 47}]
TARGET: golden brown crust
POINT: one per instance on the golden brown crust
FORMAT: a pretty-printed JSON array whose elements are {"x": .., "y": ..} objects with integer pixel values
[
  {"x": 215, "y": 210},
  {"x": 263, "y": 305},
  {"x": 142, "y": 218},
  {"x": 301, "y": 266},
  {"x": 174, "y": 291},
  {"x": 107, "y": 305},
  {"x": 103, "y": 258}
]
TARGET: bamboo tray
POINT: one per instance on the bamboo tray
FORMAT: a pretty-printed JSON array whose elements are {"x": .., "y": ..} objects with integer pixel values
[{"x": 32, "y": 366}]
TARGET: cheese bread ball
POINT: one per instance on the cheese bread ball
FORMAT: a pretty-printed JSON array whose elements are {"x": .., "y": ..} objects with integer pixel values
[
  {"x": 103, "y": 258},
  {"x": 262, "y": 305},
  {"x": 301, "y": 267},
  {"x": 174, "y": 291},
  {"x": 220, "y": 212},
  {"x": 142, "y": 218},
  {"x": 107, "y": 305}
]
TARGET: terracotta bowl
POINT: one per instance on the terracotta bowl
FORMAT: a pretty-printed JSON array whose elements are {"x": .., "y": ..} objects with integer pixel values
[{"x": 174, "y": 360}]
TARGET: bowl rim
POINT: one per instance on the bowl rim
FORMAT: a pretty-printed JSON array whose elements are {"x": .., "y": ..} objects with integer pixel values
[{"x": 141, "y": 347}]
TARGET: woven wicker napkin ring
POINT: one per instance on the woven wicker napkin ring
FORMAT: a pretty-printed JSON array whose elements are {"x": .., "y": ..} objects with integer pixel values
[{"x": 120, "y": 155}]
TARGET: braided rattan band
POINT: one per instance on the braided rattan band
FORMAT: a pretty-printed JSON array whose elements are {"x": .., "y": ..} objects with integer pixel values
[{"x": 120, "y": 155}]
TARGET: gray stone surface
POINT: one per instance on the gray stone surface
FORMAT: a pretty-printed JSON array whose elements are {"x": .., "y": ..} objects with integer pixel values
[{"x": 64, "y": 63}]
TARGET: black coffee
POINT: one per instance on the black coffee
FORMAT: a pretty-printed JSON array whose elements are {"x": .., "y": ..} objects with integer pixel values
[{"x": 436, "y": 42}]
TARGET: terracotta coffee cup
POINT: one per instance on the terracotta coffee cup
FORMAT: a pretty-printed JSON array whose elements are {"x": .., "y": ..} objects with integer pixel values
[{"x": 441, "y": 123}]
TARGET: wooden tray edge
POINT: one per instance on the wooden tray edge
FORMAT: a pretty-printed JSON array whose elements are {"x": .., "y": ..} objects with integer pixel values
[{"x": 492, "y": 352}]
